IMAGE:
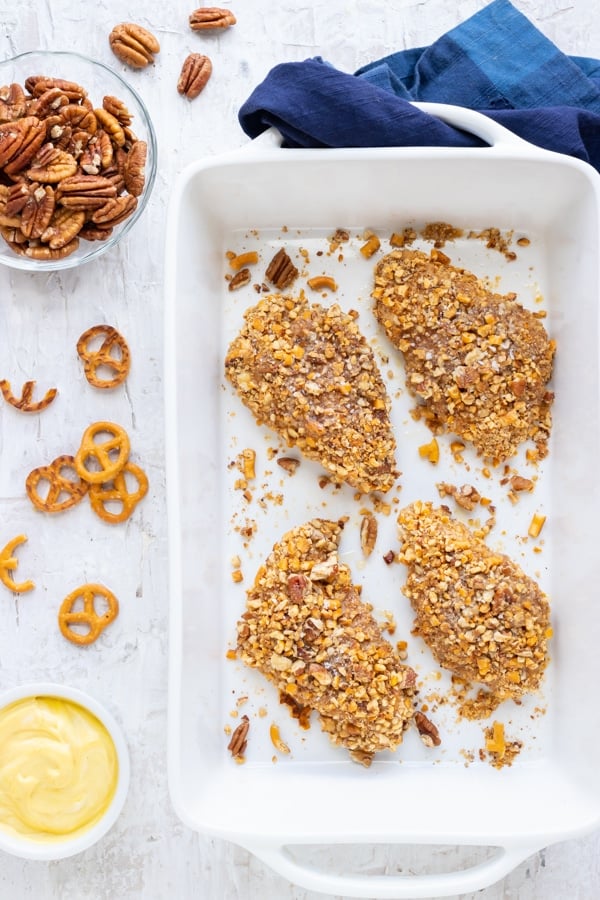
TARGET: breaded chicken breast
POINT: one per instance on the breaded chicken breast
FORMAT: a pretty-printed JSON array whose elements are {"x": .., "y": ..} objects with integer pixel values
[
  {"x": 478, "y": 361},
  {"x": 308, "y": 631}
]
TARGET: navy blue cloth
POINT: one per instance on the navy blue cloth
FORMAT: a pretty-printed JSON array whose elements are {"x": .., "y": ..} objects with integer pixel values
[{"x": 497, "y": 62}]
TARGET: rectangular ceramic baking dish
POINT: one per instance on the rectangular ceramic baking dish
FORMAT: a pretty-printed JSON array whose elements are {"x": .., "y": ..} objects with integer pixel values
[{"x": 264, "y": 197}]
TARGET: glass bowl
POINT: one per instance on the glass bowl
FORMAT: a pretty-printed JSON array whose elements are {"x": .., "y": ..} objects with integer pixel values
[
  {"x": 53, "y": 751},
  {"x": 99, "y": 81}
]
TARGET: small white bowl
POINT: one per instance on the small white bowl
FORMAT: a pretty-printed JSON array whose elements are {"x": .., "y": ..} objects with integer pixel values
[{"x": 62, "y": 847}]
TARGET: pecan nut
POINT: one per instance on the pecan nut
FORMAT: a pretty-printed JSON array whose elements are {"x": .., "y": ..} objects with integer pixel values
[
  {"x": 281, "y": 271},
  {"x": 239, "y": 739},
  {"x": 39, "y": 84},
  {"x": 85, "y": 191},
  {"x": 111, "y": 125},
  {"x": 63, "y": 227},
  {"x": 117, "y": 109},
  {"x": 38, "y": 210},
  {"x": 19, "y": 142},
  {"x": 114, "y": 211},
  {"x": 13, "y": 103},
  {"x": 133, "y": 44},
  {"x": 51, "y": 165},
  {"x": 195, "y": 72},
  {"x": 207, "y": 18},
  {"x": 428, "y": 732},
  {"x": 134, "y": 169}
]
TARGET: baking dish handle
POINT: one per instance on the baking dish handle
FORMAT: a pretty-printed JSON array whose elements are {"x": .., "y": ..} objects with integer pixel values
[
  {"x": 478, "y": 124},
  {"x": 469, "y": 120},
  {"x": 394, "y": 887}
]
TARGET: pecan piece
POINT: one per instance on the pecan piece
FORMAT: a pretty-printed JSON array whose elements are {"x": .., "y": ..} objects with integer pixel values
[
  {"x": 48, "y": 103},
  {"x": 240, "y": 279},
  {"x": 39, "y": 84},
  {"x": 51, "y": 165},
  {"x": 207, "y": 18},
  {"x": 239, "y": 739},
  {"x": 63, "y": 227},
  {"x": 38, "y": 210},
  {"x": 12, "y": 201},
  {"x": 13, "y": 103},
  {"x": 114, "y": 211},
  {"x": 428, "y": 732},
  {"x": 91, "y": 232},
  {"x": 111, "y": 126},
  {"x": 117, "y": 108},
  {"x": 368, "y": 533},
  {"x": 79, "y": 118},
  {"x": 133, "y": 44},
  {"x": 19, "y": 142},
  {"x": 44, "y": 252},
  {"x": 281, "y": 271},
  {"x": 134, "y": 169},
  {"x": 87, "y": 192},
  {"x": 195, "y": 72}
]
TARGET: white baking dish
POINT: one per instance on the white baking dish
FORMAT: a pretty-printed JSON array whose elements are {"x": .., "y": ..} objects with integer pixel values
[{"x": 263, "y": 197}]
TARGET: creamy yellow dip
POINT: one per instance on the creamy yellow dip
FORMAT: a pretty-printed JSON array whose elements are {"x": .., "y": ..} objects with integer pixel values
[{"x": 58, "y": 768}]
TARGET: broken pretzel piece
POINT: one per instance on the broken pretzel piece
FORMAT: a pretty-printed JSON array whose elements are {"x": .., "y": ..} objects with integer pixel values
[
  {"x": 24, "y": 403},
  {"x": 8, "y": 563}
]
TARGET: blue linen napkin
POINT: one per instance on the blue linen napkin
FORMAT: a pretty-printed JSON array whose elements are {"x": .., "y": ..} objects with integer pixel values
[{"x": 497, "y": 62}]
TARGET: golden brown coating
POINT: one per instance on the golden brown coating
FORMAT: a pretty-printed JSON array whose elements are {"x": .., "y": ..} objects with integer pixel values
[
  {"x": 307, "y": 372},
  {"x": 478, "y": 361},
  {"x": 482, "y": 617},
  {"x": 307, "y": 630}
]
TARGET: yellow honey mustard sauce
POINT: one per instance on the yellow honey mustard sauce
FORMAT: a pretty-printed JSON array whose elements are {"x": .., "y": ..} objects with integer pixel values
[{"x": 58, "y": 769}]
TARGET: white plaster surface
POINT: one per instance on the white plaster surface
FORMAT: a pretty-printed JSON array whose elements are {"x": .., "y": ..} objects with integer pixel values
[{"x": 150, "y": 854}]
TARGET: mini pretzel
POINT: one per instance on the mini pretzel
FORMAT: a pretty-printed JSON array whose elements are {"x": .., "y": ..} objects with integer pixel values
[
  {"x": 110, "y": 455},
  {"x": 117, "y": 491},
  {"x": 24, "y": 402},
  {"x": 8, "y": 563},
  {"x": 96, "y": 622},
  {"x": 113, "y": 354},
  {"x": 63, "y": 492}
]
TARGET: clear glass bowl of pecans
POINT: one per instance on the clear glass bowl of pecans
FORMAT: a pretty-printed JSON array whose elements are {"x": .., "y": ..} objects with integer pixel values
[{"x": 77, "y": 160}]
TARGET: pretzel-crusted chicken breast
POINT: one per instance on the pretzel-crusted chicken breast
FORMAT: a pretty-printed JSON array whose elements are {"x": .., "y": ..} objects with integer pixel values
[
  {"x": 478, "y": 361},
  {"x": 307, "y": 630},
  {"x": 482, "y": 617},
  {"x": 307, "y": 372}
]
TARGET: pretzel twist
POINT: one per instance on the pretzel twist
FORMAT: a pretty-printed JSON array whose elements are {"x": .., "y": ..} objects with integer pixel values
[
  {"x": 117, "y": 491},
  {"x": 108, "y": 455},
  {"x": 112, "y": 354},
  {"x": 63, "y": 492},
  {"x": 88, "y": 617}
]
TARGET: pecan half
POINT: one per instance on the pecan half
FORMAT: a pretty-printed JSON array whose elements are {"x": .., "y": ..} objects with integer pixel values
[
  {"x": 13, "y": 103},
  {"x": 240, "y": 279},
  {"x": 39, "y": 84},
  {"x": 51, "y": 165},
  {"x": 368, "y": 533},
  {"x": 111, "y": 126},
  {"x": 114, "y": 211},
  {"x": 45, "y": 252},
  {"x": 63, "y": 227},
  {"x": 38, "y": 210},
  {"x": 281, "y": 271},
  {"x": 85, "y": 191},
  {"x": 48, "y": 103},
  {"x": 195, "y": 72},
  {"x": 428, "y": 732},
  {"x": 19, "y": 142},
  {"x": 207, "y": 18},
  {"x": 239, "y": 739},
  {"x": 117, "y": 109},
  {"x": 134, "y": 170},
  {"x": 133, "y": 44}
]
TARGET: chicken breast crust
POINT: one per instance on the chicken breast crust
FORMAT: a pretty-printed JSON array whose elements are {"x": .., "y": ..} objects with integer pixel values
[
  {"x": 307, "y": 372},
  {"x": 307, "y": 630},
  {"x": 482, "y": 617},
  {"x": 478, "y": 361}
]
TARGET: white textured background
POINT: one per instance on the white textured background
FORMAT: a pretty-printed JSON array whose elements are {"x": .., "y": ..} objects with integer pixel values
[{"x": 150, "y": 854}]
